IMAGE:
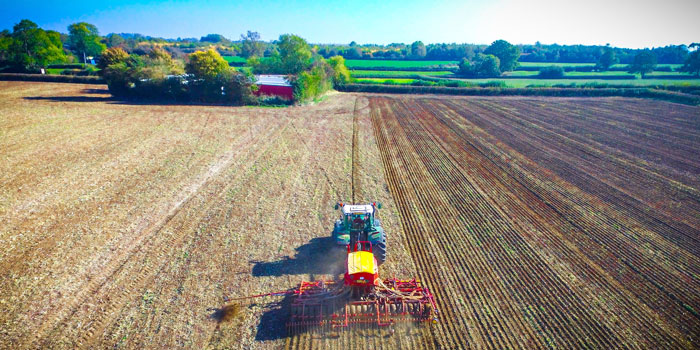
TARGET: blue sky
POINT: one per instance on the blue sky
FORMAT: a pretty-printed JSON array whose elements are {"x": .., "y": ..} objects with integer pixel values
[{"x": 625, "y": 23}]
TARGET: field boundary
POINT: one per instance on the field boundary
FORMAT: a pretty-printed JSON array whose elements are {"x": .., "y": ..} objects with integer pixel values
[
  {"x": 52, "y": 78},
  {"x": 669, "y": 96}
]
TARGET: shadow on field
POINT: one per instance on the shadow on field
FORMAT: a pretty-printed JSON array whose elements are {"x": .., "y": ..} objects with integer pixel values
[
  {"x": 95, "y": 91},
  {"x": 320, "y": 256},
  {"x": 70, "y": 98},
  {"x": 273, "y": 322}
]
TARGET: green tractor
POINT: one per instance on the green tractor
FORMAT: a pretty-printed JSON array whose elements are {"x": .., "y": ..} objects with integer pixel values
[{"x": 358, "y": 222}]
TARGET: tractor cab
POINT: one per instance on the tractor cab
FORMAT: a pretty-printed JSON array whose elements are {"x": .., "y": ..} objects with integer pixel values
[
  {"x": 359, "y": 222},
  {"x": 358, "y": 217}
]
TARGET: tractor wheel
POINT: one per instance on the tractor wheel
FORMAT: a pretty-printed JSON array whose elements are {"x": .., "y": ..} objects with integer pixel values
[{"x": 380, "y": 252}]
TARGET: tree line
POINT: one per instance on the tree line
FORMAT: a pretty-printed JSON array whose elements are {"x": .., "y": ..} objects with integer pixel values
[
  {"x": 204, "y": 76},
  {"x": 28, "y": 48}
]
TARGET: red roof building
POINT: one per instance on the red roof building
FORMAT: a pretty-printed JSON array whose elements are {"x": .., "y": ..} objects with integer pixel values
[{"x": 275, "y": 86}]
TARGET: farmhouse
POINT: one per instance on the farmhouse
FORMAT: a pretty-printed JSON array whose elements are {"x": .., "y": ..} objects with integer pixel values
[{"x": 274, "y": 85}]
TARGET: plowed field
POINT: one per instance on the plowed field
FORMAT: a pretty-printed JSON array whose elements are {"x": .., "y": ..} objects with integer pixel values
[
  {"x": 550, "y": 223},
  {"x": 536, "y": 222}
]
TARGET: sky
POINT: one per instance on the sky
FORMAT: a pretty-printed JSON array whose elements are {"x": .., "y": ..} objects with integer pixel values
[{"x": 621, "y": 23}]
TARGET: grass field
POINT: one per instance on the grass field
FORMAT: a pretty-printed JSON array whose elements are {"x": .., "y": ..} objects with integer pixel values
[
  {"x": 235, "y": 59},
  {"x": 546, "y": 64},
  {"x": 384, "y": 80},
  {"x": 536, "y": 222},
  {"x": 558, "y": 64},
  {"x": 381, "y": 73},
  {"x": 549, "y": 82},
  {"x": 521, "y": 73},
  {"x": 359, "y": 64}
]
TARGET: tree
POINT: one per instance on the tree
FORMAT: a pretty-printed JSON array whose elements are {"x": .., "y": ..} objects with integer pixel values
[
  {"x": 5, "y": 43},
  {"x": 341, "y": 72},
  {"x": 489, "y": 66},
  {"x": 507, "y": 53},
  {"x": 114, "y": 40},
  {"x": 84, "y": 39},
  {"x": 214, "y": 38},
  {"x": 30, "y": 47},
  {"x": 206, "y": 64},
  {"x": 692, "y": 63},
  {"x": 607, "y": 59},
  {"x": 159, "y": 64},
  {"x": 295, "y": 53},
  {"x": 418, "y": 49},
  {"x": 111, "y": 56},
  {"x": 644, "y": 62},
  {"x": 465, "y": 67},
  {"x": 551, "y": 72},
  {"x": 251, "y": 45},
  {"x": 353, "y": 52},
  {"x": 484, "y": 66}
]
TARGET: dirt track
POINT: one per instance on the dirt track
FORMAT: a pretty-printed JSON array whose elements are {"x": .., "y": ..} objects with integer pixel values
[{"x": 536, "y": 222}]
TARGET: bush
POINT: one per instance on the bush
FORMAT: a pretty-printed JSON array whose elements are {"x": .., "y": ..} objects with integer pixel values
[
  {"x": 311, "y": 84},
  {"x": 273, "y": 101},
  {"x": 158, "y": 77},
  {"x": 551, "y": 72},
  {"x": 119, "y": 78},
  {"x": 206, "y": 64},
  {"x": 111, "y": 56},
  {"x": 484, "y": 66},
  {"x": 341, "y": 73}
]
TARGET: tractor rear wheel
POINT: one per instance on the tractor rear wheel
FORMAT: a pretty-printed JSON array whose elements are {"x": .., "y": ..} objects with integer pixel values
[{"x": 380, "y": 251}]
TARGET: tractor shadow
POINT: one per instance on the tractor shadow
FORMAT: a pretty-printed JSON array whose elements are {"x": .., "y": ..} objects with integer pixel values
[
  {"x": 320, "y": 256},
  {"x": 71, "y": 98},
  {"x": 273, "y": 322}
]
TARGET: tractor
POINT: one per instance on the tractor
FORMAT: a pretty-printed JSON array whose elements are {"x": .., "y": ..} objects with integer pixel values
[
  {"x": 361, "y": 298},
  {"x": 359, "y": 222}
]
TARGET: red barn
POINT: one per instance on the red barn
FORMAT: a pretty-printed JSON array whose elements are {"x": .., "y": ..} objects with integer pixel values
[{"x": 274, "y": 85}]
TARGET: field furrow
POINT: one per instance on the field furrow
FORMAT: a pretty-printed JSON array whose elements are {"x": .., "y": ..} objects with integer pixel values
[{"x": 548, "y": 244}]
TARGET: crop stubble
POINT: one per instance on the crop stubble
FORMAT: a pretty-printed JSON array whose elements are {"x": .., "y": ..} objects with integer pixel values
[{"x": 124, "y": 226}]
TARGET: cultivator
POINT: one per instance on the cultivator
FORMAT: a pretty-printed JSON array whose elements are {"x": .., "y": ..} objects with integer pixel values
[
  {"x": 361, "y": 299},
  {"x": 328, "y": 306}
]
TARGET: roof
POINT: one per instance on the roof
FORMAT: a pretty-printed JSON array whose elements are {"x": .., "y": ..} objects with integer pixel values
[
  {"x": 358, "y": 209},
  {"x": 276, "y": 80}
]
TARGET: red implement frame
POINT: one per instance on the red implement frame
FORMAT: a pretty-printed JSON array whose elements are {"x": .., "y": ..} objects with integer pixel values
[{"x": 322, "y": 304}]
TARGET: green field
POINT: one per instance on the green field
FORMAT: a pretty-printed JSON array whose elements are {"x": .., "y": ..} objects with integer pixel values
[
  {"x": 398, "y": 64},
  {"x": 384, "y": 73},
  {"x": 234, "y": 59},
  {"x": 381, "y": 81},
  {"x": 548, "y": 64},
  {"x": 549, "y": 82},
  {"x": 674, "y": 66},
  {"x": 521, "y": 73},
  {"x": 619, "y": 65}
]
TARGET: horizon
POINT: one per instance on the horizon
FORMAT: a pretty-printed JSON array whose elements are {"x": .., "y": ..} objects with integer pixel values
[{"x": 622, "y": 24}]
